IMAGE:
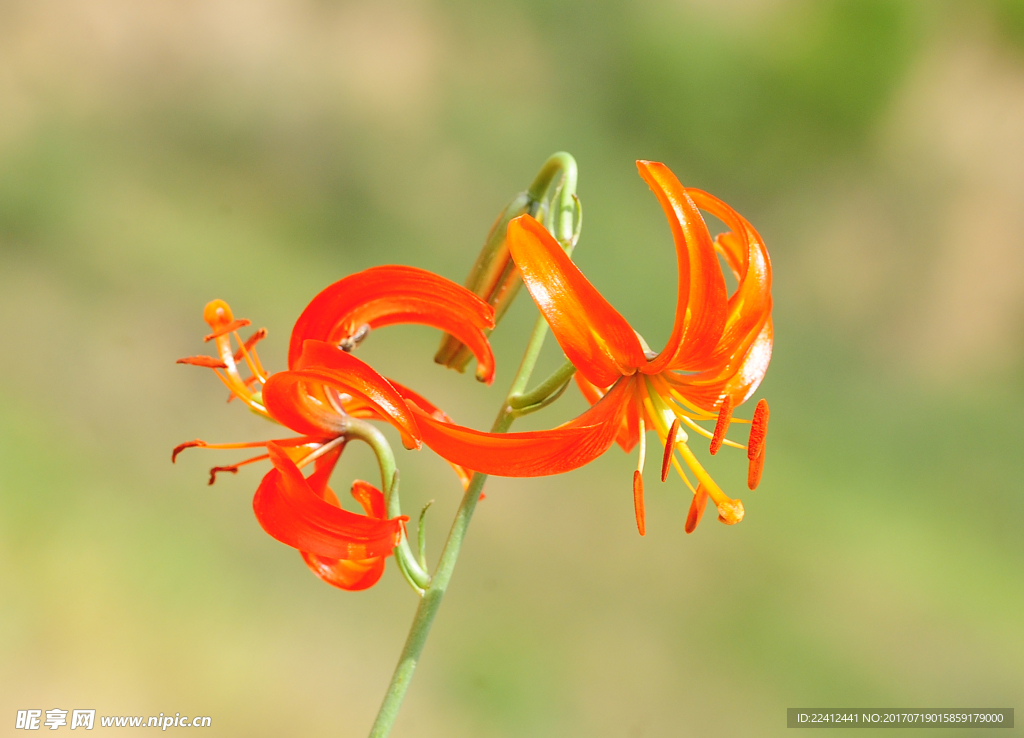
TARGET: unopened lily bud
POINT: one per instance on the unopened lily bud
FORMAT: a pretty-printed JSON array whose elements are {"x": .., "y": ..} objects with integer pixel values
[{"x": 494, "y": 278}]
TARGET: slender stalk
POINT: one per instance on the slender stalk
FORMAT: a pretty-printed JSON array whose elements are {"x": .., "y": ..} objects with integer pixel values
[
  {"x": 434, "y": 593},
  {"x": 563, "y": 218},
  {"x": 543, "y": 390},
  {"x": 371, "y": 436}
]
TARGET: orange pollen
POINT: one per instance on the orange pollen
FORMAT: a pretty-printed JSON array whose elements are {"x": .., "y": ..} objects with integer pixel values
[
  {"x": 638, "y": 501},
  {"x": 250, "y": 342},
  {"x": 722, "y": 426},
  {"x": 758, "y": 430},
  {"x": 700, "y": 501},
  {"x": 207, "y": 361},
  {"x": 754, "y": 470},
  {"x": 219, "y": 331},
  {"x": 670, "y": 440}
]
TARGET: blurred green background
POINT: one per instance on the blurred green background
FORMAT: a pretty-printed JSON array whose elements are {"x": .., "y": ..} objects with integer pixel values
[{"x": 156, "y": 155}]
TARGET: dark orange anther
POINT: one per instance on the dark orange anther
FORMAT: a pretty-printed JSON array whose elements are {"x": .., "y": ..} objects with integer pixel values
[
  {"x": 219, "y": 331},
  {"x": 670, "y": 441},
  {"x": 251, "y": 341},
  {"x": 638, "y": 501},
  {"x": 182, "y": 446},
  {"x": 207, "y": 361},
  {"x": 754, "y": 469},
  {"x": 700, "y": 501},
  {"x": 758, "y": 430},
  {"x": 216, "y": 469},
  {"x": 722, "y": 426}
]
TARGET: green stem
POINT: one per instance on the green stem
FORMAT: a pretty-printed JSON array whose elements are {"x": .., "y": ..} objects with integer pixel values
[
  {"x": 434, "y": 593},
  {"x": 563, "y": 220},
  {"x": 371, "y": 436},
  {"x": 543, "y": 390}
]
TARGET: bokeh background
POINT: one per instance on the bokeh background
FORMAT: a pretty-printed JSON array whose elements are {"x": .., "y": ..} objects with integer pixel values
[{"x": 156, "y": 155}]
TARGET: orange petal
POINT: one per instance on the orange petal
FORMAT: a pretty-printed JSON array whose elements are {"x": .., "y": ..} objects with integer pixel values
[
  {"x": 291, "y": 396},
  {"x": 289, "y": 510},
  {"x": 701, "y": 299},
  {"x": 745, "y": 252},
  {"x": 593, "y": 335},
  {"x": 535, "y": 453},
  {"x": 396, "y": 294},
  {"x": 738, "y": 378},
  {"x": 628, "y": 435},
  {"x": 351, "y": 575}
]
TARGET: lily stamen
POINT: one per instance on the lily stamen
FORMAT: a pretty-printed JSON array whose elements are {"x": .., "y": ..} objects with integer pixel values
[
  {"x": 700, "y": 501},
  {"x": 244, "y": 351},
  {"x": 233, "y": 468},
  {"x": 669, "y": 441},
  {"x": 722, "y": 426},
  {"x": 638, "y": 482},
  {"x": 755, "y": 445}
]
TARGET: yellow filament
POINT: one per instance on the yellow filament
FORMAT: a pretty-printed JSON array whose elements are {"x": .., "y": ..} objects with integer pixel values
[
  {"x": 714, "y": 491},
  {"x": 707, "y": 433},
  {"x": 232, "y": 382},
  {"x": 248, "y": 359},
  {"x": 643, "y": 446}
]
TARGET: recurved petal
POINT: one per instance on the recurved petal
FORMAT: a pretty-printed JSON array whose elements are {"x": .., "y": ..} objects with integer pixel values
[
  {"x": 292, "y": 399},
  {"x": 419, "y": 401},
  {"x": 738, "y": 378},
  {"x": 349, "y": 574},
  {"x": 387, "y": 295},
  {"x": 289, "y": 510},
  {"x": 535, "y": 453},
  {"x": 593, "y": 335},
  {"x": 628, "y": 434},
  {"x": 747, "y": 256},
  {"x": 701, "y": 298}
]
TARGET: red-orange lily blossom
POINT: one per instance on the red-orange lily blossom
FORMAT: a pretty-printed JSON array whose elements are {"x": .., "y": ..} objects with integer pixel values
[
  {"x": 715, "y": 357},
  {"x": 325, "y": 385}
]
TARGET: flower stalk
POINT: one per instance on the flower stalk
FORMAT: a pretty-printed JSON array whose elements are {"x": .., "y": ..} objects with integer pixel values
[{"x": 563, "y": 217}]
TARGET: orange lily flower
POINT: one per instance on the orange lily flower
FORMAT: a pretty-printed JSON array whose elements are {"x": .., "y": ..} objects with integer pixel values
[
  {"x": 715, "y": 357},
  {"x": 326, "y": 385}
]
